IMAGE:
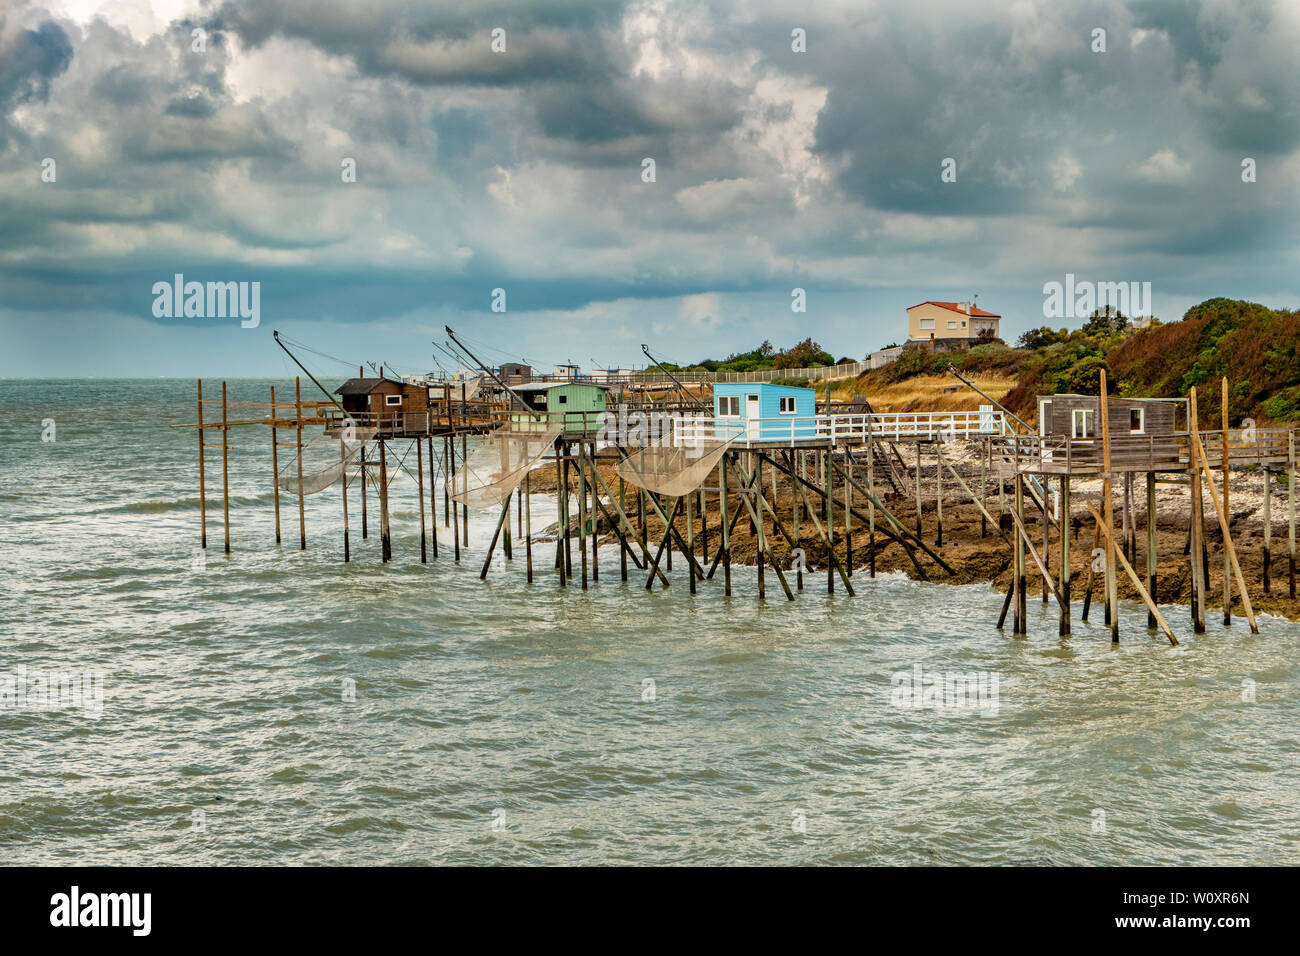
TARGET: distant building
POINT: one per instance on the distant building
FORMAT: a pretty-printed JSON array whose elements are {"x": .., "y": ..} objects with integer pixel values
[
  {"x": 932, "y": 321},
  {"x": 513, "y": 373}
]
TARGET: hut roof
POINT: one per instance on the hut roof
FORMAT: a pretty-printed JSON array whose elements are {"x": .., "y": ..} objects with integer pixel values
[
  {"x": 359, "y": 386},
  {"x": 543, "y": 387}
]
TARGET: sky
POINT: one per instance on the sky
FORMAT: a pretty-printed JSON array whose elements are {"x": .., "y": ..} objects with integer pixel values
[{"x": 502, "y": 145}]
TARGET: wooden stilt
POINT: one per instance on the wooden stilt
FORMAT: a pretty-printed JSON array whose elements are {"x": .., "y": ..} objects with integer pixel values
[
  {"x": 365, "y": 529},
  {"x": 1267, "y": 568},
  {"x": 938, "y": 493},
  {"x": 562, "y": 529},
  {"x": 918, "y": 489},
  {"x": 446, "y": 477},
  {"x": 724, "y": 510},
  {"x": 302, "y": 517},
  {"x": 203, "y": 487},
  {"x": 419, "y": 477},
  {"x": 1108, "y": 503},
  {"x": 1047, "y": 531},
  {"x": 528, "y": 526},
  {"x": 343, "y": 475},
  {"x": 275, "y": 464},
  {"x": 1018, "y": 616},
  {"x": 464, "y": 457},
  {"x": 622, "y": 506},
  {"x": 848, "y": 511},
  {"x": 1227, "y": 507},
  {"x": 690, "y": 532},
  {"x": 1197, "y": 527},
  {"x": 385, "y": 532},
  {"x": 451, "y": 480},
  {"x": 1137, "y": 582},
  {"x": 985, "y": 453},
  {"x": 871, "y": 506},
  {"x": 1152, "y": 556},
  {"x": 1223, "y": 526},
  {"x": 225, "y": 468},
  {"x": 1087, "y": 592},
  {"x": 595, "y": 520},
  {"x": 830, "y": 517},
  {"x": 1064, "y": 571},
  {"x": 582, "y": 514},
  {"x": 433, "y": 498},
  {"x": 503, "y": 521}
]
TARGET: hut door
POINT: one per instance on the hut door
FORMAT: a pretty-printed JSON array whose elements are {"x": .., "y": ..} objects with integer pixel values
[{"x": 753, "y": 415}]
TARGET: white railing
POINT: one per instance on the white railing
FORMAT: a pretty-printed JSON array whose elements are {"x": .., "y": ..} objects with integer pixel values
[{"x": 887, "y": 426}]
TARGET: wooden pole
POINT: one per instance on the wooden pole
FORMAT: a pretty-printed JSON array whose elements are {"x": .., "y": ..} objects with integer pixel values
[
  {"x": 1152, "y": 523},
  {"x": 848, "y": 510},
  {"x": 1018, "y": 624},
  {"x": 1064, "y": 570},
  {"x": 385, "y": 537},
  {"x": 528, "y": 526},
  {"x": 622, "y": 507},
  {"x": 871, "y": 505},
  {"x": 343, "y": 475},
  {"x": 726, "y": 530},
  {"x": 830, "y": 518},
  {"x": 419, "y": 477},
  {"x": 275, "y": 464},
  {"x": 1047, "y": 530},
  {"x": 365, "y": 528},
  {"x": 446, "y": 476},
  {"x": 1112, "y": 582},
  {"x": 582, "y": 514},
  {"x": 1227, "y": 508},
  {"x": 225, "y": 469},
  {"x": 203, "y": 484},
  {"x": 1137, "y": 582},
  {"x": 1197, "y": 527},
  {"x": 690, "y": 533},
  {"x": 595, "y": 519},
  {"x": 918, "y": 489},
  {"x": 1087, "y": 588},
  {"x": 503, "y": 521},
  {"x": 1268, "y": 528},
  {"x": 938, "y": 493},
  {"x": 302, "y": 515},
  {"x": 464, "y": 457},
  {"x": 1223, "y": 525},
  {"x": 433, "y": 498}
]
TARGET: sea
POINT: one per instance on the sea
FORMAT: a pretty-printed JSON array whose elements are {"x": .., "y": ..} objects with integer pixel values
[{"x": 162, "y": 704}]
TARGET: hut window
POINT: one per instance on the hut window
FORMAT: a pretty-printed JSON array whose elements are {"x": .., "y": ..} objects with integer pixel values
[
  {"x": 1137, "y": 420},
  {"x": 787, "y": 404},
  {"x": 1083, "y": 423},
  {"x": 564, "y": 399},
  {"x": 927, "y": 323},
  {"x": 392, "y": 399},
  {"x": 729, "y": 406}
]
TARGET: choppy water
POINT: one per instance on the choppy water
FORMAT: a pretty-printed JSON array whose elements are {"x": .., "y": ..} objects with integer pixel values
[{"x": 481, "y": 704}]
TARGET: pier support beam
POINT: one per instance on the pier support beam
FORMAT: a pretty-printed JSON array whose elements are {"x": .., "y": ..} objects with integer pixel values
[
  {"x": 433, "y": 498},
  {"x": 1064, "y": 586},
  {"x": 203, "y": 489},
  {"x": 419, "y": 477},
  {"x": 385, "y": 536},
  {"x": 1152, "y": 525}
]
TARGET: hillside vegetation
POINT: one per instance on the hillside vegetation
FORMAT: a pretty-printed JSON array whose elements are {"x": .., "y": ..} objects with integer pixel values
[{"x": 1256, "y": 347}]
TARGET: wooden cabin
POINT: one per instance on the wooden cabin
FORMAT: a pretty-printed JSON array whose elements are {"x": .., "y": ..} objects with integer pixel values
[
  {"x": 393, "y": 407},
  {"x": 514, "y": 373},
  {"x": 1144, "y": 432},
  {"x": 762, "y": 411},
  {"x": 576, "y": 406}
]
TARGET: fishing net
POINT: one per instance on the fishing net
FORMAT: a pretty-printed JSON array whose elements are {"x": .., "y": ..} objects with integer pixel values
[
  {"x": 674, "y": 469},
  {"x": 496, "y": 467},
  {"x": 323, "y": 460}
]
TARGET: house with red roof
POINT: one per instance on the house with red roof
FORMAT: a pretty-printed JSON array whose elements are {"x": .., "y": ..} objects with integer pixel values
[{"x": 932, "y": 321}]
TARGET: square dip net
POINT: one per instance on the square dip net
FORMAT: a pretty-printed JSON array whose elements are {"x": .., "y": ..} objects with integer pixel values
[{"x": 498, "y": 465}]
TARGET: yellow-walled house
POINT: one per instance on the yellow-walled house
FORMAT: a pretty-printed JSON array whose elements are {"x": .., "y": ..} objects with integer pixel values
[{"x": 949, "y": 320}]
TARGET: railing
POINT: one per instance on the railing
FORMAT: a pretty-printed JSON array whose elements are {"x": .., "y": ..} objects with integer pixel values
[
  {"x": 890, "y": 426},
  {"x": 1139, "y": 452},
  {"x": 413, "y": 421}
]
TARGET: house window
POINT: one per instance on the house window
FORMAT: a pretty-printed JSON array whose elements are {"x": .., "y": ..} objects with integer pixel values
[
  {"x": 952, "y": 323},
  {"x": 1082, "y": 423},
  {"x": 927, "y": 324},
  {"x": 564, "y": 399},
  {"x": 392, "y": 400},
  {"x": 787, "y": 404},
  {"x": 1137, "y": 419},
  {"x": 729, "y": 406}
]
